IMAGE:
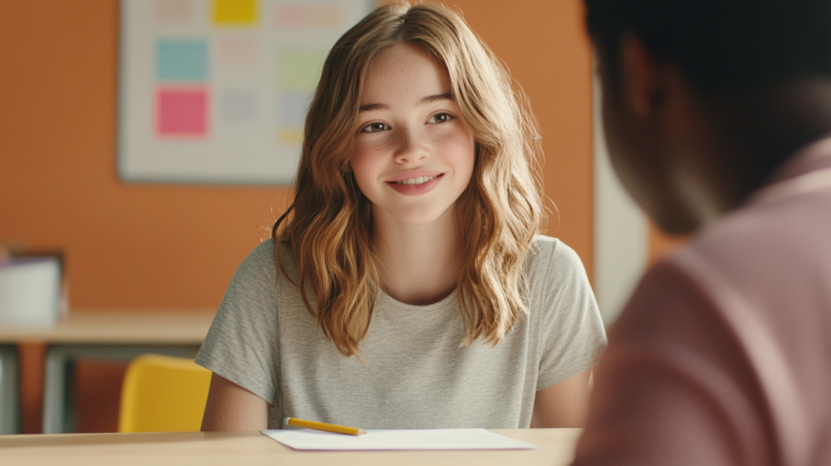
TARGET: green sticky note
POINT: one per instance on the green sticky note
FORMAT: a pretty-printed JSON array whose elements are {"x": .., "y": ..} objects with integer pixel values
[{"x": 299, "y": 69}]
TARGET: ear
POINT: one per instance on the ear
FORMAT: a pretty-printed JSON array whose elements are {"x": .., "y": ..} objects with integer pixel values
[{"x": 640, "y": 77}]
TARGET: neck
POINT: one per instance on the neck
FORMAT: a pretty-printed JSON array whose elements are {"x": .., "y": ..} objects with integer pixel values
[{"x": 418, "y": 264}]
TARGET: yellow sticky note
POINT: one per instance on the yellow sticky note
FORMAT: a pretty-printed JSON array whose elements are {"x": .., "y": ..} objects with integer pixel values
[
  {"x": 290, "y": 137},
  {"x": 235, "y": 12}
]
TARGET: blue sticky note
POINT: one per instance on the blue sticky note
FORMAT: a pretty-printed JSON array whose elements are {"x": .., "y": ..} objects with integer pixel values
[
  {"x": 181, "y": 59},
  {"x": 292, "y": 109}
]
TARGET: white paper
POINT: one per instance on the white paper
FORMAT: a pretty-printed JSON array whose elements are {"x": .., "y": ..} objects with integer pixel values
[{"x": 422, "y": 439}]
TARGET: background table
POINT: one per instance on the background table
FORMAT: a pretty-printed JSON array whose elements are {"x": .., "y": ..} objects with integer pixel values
[
  {"x": 113, "y": 336},
  {"x": 554, "y": 448}
]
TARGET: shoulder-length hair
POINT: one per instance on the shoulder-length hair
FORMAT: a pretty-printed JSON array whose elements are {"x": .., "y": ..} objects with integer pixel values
[{"x": 328, "y": 227}]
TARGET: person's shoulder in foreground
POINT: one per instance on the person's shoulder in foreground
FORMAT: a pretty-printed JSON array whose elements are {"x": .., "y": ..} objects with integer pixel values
[
  {"x": 717, "y": 116},
  {"x": 721, "y": 355}
]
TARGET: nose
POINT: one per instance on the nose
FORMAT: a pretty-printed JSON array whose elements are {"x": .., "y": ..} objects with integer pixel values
[{"x": 410, "y": 147}]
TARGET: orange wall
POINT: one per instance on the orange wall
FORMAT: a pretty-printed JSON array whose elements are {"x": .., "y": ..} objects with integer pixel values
[
  {"x": 143, "y": 246},
  {"x": 543, "y": 44}
]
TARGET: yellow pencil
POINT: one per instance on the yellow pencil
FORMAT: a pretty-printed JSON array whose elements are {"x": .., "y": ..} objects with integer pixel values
[{"x": 294, "y": 422}]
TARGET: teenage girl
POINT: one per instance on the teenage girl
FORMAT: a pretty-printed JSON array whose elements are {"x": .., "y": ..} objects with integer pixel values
[{"x": 405, "y": 286}]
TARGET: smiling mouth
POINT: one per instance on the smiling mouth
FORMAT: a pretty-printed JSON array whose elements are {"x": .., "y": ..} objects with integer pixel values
[{"x": 415, "y": 181}]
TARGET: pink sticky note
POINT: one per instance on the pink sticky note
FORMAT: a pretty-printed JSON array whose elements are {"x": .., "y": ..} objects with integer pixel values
[
  {"x": 173, "y": 11},
  {"x": 238, "y": 50},
  {"x": 302, "y": 16},
  {"x": 182, "y": 112},
  {"x": 290, "y": 16}
]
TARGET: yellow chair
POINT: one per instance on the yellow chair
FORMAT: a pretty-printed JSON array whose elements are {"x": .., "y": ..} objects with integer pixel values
[{"x": 163, "y": 394}]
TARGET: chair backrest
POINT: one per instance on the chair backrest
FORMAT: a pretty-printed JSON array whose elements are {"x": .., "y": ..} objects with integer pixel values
[{"x": 163, "y": 394}]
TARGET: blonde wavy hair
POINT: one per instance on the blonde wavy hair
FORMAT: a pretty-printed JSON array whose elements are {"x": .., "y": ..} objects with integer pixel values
[{"x": 328, "y": 227}]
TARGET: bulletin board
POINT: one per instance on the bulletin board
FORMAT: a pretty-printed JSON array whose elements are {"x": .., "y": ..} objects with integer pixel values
[{"x": 216, "y": 91}]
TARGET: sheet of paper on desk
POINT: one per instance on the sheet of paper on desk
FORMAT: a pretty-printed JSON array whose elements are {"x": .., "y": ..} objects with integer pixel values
[{"x": 426, "y": 439}]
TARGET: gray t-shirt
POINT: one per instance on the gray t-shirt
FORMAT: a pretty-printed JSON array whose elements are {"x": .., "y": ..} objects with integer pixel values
[{"x": 415, "y": 374}]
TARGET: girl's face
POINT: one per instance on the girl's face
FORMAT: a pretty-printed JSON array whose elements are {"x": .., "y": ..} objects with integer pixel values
[{"x": 413, "y": 153}]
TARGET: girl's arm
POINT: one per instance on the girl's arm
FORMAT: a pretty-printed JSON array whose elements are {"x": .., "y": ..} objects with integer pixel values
[
  {"x": 233, "y": 408},
  {"x": 564, "y": 404}
]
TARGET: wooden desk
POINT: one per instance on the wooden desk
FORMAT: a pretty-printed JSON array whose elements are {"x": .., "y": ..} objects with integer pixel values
[
  {"x": 554, "y": 448},
  {"x": 114, "y": 336}
]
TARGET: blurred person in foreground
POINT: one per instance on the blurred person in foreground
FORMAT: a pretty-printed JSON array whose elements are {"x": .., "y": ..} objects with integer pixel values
[{"x": 717, "y": 115}]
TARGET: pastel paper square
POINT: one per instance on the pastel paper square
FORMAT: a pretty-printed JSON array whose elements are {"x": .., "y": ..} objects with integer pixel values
[
  {"x": 181, "y": 59},
  {"x": 234, "y": 12},
  {"x": 182, "y": 112},
  {"x": 308, "y": 17},
  {"x": 292, "y": 109},
  {"x": 238, "y": 106},
  {"x": 238, "y": 50},
  {"x": 173, "y": 11},
  {"x": 298, "y": 69}
]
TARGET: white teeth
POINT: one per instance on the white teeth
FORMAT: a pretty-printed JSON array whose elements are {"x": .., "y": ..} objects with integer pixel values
[{"x": 419, "y": 180}]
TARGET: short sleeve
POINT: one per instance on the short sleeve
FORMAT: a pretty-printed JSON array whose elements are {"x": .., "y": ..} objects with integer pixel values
[
  {"x": 572, "y": 336},
  {"x": 241, "y": 344}
]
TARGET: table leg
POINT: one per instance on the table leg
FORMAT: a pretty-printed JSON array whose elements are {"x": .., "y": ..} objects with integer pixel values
[
  {"x": 9, "y": 390},
  {"x": 57, "y": 377},
  {"x": 68, "y": 424}
]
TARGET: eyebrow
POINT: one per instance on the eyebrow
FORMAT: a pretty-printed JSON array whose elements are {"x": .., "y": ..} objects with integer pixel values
[{"x": 424, "y": 100}]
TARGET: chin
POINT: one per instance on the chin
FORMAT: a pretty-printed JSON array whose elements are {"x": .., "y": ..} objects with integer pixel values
[
  {"x": 422, "y": 219},
  {"x": 419, "y": 215}
]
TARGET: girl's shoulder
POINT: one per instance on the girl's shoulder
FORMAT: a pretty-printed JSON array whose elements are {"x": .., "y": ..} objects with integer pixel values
[
  {"x": 261, "y": 255},
  {"x": 550, "y": 256},
  {"x": 262, "y": 261},
  {"x": 258, "y": 266},
  {"x": 558, "y": 287}
]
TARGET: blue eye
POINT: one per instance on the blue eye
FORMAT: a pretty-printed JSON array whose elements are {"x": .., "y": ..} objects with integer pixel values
[
  {"x": 440, "y": 118},
  {"x": 374, "y": 128}
]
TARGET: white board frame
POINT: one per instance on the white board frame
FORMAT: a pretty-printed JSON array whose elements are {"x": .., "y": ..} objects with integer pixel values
[{"x": 255, "y": 148}]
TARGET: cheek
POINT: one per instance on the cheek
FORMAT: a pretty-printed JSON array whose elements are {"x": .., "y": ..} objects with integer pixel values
[
  {"x": 611, "y": 127},
  {"x": 624, "y": 153},
  {"x": 365, "y": 165},
  {"x": 635, "y": 156},
  {"x": 460, "y": 150}
]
